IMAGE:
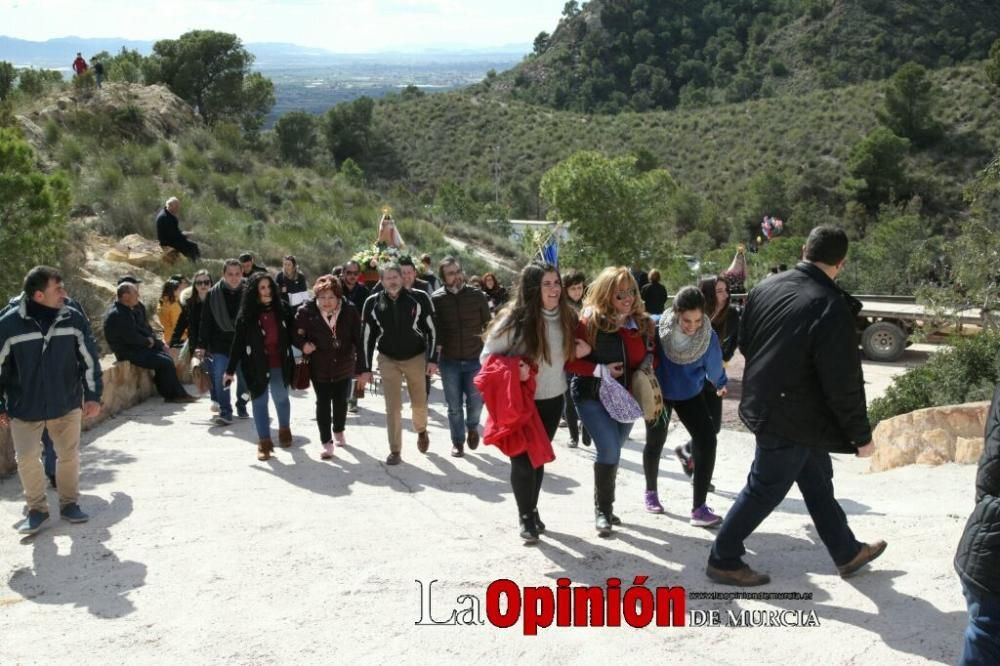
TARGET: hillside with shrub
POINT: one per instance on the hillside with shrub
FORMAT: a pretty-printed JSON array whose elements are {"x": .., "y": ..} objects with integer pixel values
[{"x": 607, "y": 56}]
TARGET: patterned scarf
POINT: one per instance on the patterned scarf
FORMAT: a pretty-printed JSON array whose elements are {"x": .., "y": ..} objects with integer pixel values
[{"x": 680, "y": 348}]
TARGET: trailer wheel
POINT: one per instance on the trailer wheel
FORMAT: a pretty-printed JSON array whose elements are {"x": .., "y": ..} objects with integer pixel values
[{"x": 883, "y": 341}]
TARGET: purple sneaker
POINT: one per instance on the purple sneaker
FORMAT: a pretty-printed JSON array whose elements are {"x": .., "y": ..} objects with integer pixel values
[
  {"x": 705, "y": 517},
  {"x": 653, "y": 502}
]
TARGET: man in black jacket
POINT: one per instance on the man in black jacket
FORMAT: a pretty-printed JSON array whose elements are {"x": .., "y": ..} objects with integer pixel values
[
  {"x": 803, "y": 398},
  {"x": 168, "y": 231},
  {"x": 462, "y": 314},
  {"x": 131, "y": 339},
  {"x": 215, "y": 339},
  {"x": 978, "y": 558},
  {"x": 399, "y": 324}
]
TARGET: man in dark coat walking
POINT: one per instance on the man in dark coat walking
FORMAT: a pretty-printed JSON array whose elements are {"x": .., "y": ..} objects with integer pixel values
[
  {"x": 978, "y": 558},
  {"x": 803, "y": 398}
]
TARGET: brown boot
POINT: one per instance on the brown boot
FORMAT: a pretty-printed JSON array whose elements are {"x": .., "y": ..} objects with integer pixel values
[
  {"x": 285, "y": 437},
  {"x": 264, "y": 448},
  {"x": 423, "y": 441},
  {"x": 745, "y": 577},
  {"x": 868, "y": 552}
]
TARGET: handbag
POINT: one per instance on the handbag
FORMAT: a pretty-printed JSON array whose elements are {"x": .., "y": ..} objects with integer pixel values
[
  {"x": 646, "y": 391},
  {"x": 616, "y": 399},
  {"x": 300, "y": 375}
]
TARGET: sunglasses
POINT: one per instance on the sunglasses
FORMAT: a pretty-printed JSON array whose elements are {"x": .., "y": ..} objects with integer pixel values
[
  {"x": 203, "y": 283},
  {"x": 622, "y": 295}
]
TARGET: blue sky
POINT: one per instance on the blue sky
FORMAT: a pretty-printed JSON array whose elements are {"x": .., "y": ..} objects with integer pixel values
[{"x": 354, "y": 26}]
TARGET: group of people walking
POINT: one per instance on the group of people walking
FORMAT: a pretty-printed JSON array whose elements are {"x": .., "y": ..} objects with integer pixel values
[{"x": 558, "y": 348}]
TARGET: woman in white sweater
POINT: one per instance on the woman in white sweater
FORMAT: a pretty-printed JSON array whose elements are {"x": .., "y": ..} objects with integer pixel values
[{"x": 537, "y": 324}]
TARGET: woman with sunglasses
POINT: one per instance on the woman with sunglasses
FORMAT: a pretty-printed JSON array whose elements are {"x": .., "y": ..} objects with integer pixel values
[
  {"x": 536, "y": 325},
  {"x": 615, "y": 325},
  {"x": 192, "y": 301},
  {"x": 693, "y": 365},
  {"x": 328, "y": 331}
]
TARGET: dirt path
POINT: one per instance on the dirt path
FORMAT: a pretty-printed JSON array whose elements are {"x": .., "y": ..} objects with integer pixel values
[
  {"x": 198, "y": 553},
  {"x": 485, "y": 254}
]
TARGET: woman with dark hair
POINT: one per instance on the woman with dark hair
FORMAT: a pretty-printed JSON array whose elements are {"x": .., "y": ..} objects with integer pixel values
[
  {"x": 330, "y": 335},
  {"x": 654, "y": 294},
  {"x": 496, "y": 295},
  {"x": 262, "y": 347},
  {"x": 693, "y": 365},
  {"x": 725, "y": 319},
  {"x": 574, "y": 284},
  {"x": 537, "y": 326},
  {"x": 168, "y": 310},
  {"x": 290, "y": 279},
  {"x": 615, "y": 325}
]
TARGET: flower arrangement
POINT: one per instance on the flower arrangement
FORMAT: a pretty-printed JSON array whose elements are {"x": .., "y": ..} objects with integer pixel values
[{"x": 377, "y": 254}]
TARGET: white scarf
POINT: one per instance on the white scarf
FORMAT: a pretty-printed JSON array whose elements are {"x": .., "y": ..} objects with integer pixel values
[{"x": 680, "y": 348}]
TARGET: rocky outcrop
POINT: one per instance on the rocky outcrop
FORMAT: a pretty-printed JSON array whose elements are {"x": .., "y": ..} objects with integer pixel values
[
  {"x": 139, "y": 251},
  {"x": 931, "y": 436},
  {"x": 125, "y": 385}
]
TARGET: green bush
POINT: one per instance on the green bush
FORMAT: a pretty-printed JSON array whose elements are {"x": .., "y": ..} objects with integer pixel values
[{"x": 965, "y": 373}]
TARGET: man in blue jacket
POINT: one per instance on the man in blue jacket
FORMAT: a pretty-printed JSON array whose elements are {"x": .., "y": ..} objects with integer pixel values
[
  {"x": 49, "y": 367},
  {"x": 803, "y": 398}
]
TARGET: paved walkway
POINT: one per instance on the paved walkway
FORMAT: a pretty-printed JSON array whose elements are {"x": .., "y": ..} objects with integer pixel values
[{"x": 198, "y": 553}]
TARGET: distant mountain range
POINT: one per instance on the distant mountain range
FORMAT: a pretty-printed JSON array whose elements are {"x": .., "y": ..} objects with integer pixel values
[{"x": 59, "y": 53}]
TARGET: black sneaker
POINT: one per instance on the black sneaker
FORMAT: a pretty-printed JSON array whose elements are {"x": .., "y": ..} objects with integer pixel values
[
  {"x": 687, "y": 464},
  {"x": 393, "y": 459},
  {"x": 73, "y": 514},
  {"x": 538, "y": 522},
  {"x": 33, "y": 523}
]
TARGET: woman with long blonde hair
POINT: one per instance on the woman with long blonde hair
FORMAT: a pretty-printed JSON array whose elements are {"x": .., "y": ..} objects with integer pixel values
[{"x": 615, "y": 325}]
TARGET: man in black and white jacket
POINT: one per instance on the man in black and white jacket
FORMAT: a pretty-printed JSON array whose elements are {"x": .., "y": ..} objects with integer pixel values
[{"x": 399, "y": 324}]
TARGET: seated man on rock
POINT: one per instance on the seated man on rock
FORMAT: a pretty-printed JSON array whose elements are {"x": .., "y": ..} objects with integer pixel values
[
  {"x": 168, "y": 231},
  {"x": 131, "y": 339}
]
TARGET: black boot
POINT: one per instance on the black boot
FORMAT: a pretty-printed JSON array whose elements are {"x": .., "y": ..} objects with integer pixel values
[
  {"x": 615, "y": 520},
  {"x": 538, "y": 523},
  {"x": 529, "y": 530},
  {"x": 603, "y": 497}
]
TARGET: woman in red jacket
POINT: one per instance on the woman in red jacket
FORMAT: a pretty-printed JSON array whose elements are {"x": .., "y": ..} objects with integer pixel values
[
  {"x": 329, "y": 333},
  {"x": 615, "y": 325},
  {"x": 537, "y": 325}
]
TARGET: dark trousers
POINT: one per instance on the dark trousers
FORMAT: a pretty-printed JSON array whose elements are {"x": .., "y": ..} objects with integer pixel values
[
  {"x": 696, "y": 416},
  {"x": 656, "y": 437},
  {"x": 777, "y": 464},
  {"x": 714, "y": 403},
  {"x": 188, "y": 248},
  {"x": 164, "y": 372},
  {"x": 48, "y": 455},
  {"x": 573, "y": 418},
  {"x": 331, "y": 406},
  {"x": 525, "y": 480},
  {"x": 982, "y": 635}
]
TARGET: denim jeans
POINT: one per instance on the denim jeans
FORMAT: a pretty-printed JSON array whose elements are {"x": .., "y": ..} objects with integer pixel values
[
  {"x": 982, "y": 635},
  {"x": 459, "y": 393},
  {"x": 608, "y": 435},
  {"x": 278, "y": 392},
  {"x": 777, "y": 464},
  {"x": 222, "y": 392}
]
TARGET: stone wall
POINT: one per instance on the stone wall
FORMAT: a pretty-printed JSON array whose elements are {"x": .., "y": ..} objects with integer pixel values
[
  {"x": 931, "y": 436},
  {"x": 125, "y": 385}
]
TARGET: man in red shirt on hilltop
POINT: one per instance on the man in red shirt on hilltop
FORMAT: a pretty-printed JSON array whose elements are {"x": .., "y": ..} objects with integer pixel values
[{"x": 79, "y": 65}]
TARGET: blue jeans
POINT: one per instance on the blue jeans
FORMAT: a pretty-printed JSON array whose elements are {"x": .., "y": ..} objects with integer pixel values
[
  {"x": 607, "y": 434},
  {"x": 456, "y": 379},
  {"x": 279, "y": 393},
  {"x": 222, "y": 392},
  {"x": 777, "y": 464},
  {"x": 982, "y": 636}
]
